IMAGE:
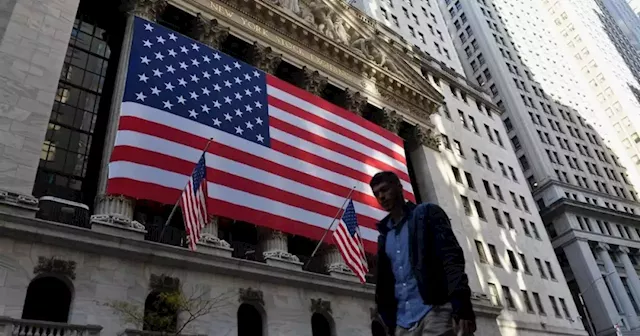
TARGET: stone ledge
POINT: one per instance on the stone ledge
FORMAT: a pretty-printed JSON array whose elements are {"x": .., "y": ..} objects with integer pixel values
[
  {"x": 18, "y": 204},
  {"x": 536, "y": 327},
  {"x": 136, "y": 332}
]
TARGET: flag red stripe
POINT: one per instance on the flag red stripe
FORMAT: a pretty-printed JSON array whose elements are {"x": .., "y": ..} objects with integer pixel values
[
  {"x": 333, "y": 146},
  {"x": 179, "y": 166},
  {"x": 329, "y": 107},
  {"x": 310, "y": 117},
  {"x": 143, "y": 190},
  {"x": 348, "y": 247},
  {"x": 188, "y": 139}
]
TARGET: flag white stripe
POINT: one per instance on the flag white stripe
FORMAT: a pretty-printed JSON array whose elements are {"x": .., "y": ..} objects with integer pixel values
[
  {"x": 142, "y": 173},
  {"x": 183, "y": 152},
  {"x": 342, "y": 245},
  {"x": 349, "y": 246},
  {"x": 334, "y": 137},
  {"x": 309, "y": 107},
  {"x": 162, "y": 117}
]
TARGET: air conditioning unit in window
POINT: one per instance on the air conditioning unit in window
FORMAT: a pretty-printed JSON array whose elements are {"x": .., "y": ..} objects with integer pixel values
[{"x": 64, "y": 211}]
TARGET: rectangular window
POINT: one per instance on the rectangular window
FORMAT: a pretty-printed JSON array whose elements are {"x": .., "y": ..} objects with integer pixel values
[
  {"x": 507, "y": 218},
  {"x": 527, "y": 301},
  {"x": 525, "y": 228},
  {"x": 513, "y": 260},
  {"x": 494, "y": 295},
  {"x": 488, "y": 131},
  {"x": 552, "y": 275},
  {"x": 508, "y": 299},
  {"x": 534, "y": 229},
  {"x": 514, "y": 199},
  {"x": 487, "y": 188},
  {"x": 498, "y": 192},
  {"x": 472, "y": 122},
  {"x": 463, "y": 119},
  {"x": 466, "y": 205},
  {"x": 494, "y": 255},
  {"x": 524, "y": 204},
  {"x": 554, "y": 305},
  {"x": 470, "y": 183},
  {"x": 456, "y": 174},
  {"x": 476, "y": 156},
  {"x": 540, "y": 268},
  {"x": 536, "y": 299},
  {"x": 496, "y": 215},
  {"x": 565, "y": 309},
  {"x": 525, "y": 265},
  {"x": 458, "y": 147},
  {"x": 513, "y": 174},
  {"x": 479, "y": 210},
  {"x": 487, "y": 161},
  {"x": 481, "y": 253},
  {"x": 498, "y": 138}
]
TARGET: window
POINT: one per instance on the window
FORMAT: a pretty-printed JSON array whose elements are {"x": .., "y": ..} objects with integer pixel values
[
  {"x": 472, "y": 122},
  {"x": 463, "y": 119},
  {"x": 525, "y": 265},
  {"x": 503, "y": 169},
  {"x": 507, "y": 218},
  {"x": 479, "y": 210},
  {"x": 384, "y": 13},
  {"x": 525, "y": 228},
  {"x": 456, "y": 174},
  {"x": 498, "y": 192},
  {"x": 487, "y": 188},
  {"x": 458, "y": 147},
  {"x": 565, "y": 309},
  {"x": 514, "y": 199},
  {"x": 513, "y": 174},
  {"x": 536, "y": 299},
  {"x": 413, "y": 32},
  {"x": 496, "y": 214},
  {"x": 469, "y": 178},
  {"x": 481, "y": 253},
  {"x": 540, "y": 268},
  {"x": 534, "y": 229},
  {"x": 395, "y": 20},
  {"x": 524, "y": 204},
  {"x": 524, "y": 162},
  {"x": 487, "y": 161},
  {"x": 494, "y": 295},
  {"x": 498, "y": 137},
  {"x": 552, "y": 275},
  {"x": 422, "y": 37},
  {"x": 508, "y": 299},
  {"x": 476, "y": 156},
  {"x": 513, "y": 260},
  {"x": 488, "y": 131},
  {"x": 406, "y": 13},
  {"x": 554, "y": 305},
  {"x": 466, "y": 205},
  {"x": 494, "y": 255},
  {"x": 527, "y": 301},
  {"x": 516, "y": 143},
  {"x": 445, "y": 141}
]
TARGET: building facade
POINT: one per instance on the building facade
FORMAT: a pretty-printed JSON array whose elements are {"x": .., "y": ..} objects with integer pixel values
[
  {"x": 508, "y": 47},
  {"x": 63, "y": 79}
]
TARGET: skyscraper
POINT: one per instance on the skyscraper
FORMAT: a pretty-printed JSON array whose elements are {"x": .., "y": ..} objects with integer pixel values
[{"x": 582, "y": 190}]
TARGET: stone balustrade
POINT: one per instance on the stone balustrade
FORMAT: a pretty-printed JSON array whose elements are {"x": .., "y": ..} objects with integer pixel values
[{"x": 15, "y": 327}]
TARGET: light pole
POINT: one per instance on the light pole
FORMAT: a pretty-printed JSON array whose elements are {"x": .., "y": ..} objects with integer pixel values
[{"x": 584, "y": 306}]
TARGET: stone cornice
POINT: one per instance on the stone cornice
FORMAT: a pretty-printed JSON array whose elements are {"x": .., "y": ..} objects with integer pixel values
[
  {"x": 551, "y": 182},
  {"x": 366, "y": 63},
  {"x": 566, "y": 205}
]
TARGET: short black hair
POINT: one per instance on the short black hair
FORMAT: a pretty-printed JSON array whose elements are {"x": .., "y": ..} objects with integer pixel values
[{"x": 384, "y": 176}]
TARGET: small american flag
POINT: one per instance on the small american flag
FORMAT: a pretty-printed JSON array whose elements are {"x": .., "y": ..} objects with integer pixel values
[
  {"x": 280, "y": 156},
  {"x": 194, "y": 203},
  {"x": 347, "y": 238}
]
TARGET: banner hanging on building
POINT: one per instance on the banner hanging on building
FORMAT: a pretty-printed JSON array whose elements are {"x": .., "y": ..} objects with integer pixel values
[{"x": 280, "y": 156}]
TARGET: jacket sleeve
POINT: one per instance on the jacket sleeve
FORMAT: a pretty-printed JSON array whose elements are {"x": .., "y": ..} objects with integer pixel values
[{"x": 452, "y": 257}]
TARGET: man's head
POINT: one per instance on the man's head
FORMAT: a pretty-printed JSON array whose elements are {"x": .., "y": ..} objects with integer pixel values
[{"x": 387, "y": 189}]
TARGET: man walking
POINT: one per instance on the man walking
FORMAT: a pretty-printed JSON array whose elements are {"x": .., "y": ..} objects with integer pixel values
[{"x": 422, "y": 288}]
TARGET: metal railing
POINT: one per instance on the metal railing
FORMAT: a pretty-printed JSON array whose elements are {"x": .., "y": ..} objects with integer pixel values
[
  {"x": 170, "y": 236},
  {"x": 15, "y": 327}
]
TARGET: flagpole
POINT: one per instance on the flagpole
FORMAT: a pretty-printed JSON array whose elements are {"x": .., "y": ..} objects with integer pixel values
[
  {"x": 330, "y": 226},
  {"x": 175, "y": 206}
]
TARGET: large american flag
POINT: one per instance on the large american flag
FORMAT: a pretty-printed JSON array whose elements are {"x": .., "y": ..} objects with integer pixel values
[
  {"x": 194, "y": 203},
  {"x": 280, "y": 156},
  {"x": 347, "y": 238}
]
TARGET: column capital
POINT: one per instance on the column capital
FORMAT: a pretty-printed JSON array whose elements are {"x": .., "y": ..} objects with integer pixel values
[
  {"x": 264, "y": 58},
  {"x": 424, "y": 136},
  {"x": 208, "y": 31},
  {"x": 147, "y": 9},
  {"x": 312, "y": 81},
  {"x": 209, "y": 234},
  {"x": 602, "y": 247},
  {"x": 390, "y": 120},
  {"x": 354, "y": 101},
  {"x": 624, "y": 249}
]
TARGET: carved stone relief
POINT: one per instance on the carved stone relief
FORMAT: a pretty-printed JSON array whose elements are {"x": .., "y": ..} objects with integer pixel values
[
  {"x": 55, "y": 265},
  {"x": 389, "y": 120},
  {"x": 163, "y": 283},
  {"x": 424, "y": 136},
  {"x": 312, "y": 81},
  {"x": 321, "y": 306},
  {"x": 250, "y": 295},
  {"x": 264, "y": 58},
  {"x": 354, "y": 101},
  {"x": 148, "y": 9},
  {"x": 209, "y": 32}
]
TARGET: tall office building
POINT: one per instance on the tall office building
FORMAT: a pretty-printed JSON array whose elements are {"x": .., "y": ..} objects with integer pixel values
[
  {"x": 481, "y": 152},
  {"x": 582, "y": 190},
  {"x": 64, "y": 74}
]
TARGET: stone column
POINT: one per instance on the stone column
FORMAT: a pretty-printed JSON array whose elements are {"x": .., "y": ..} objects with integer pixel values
[
  {"x": 617, "y": 286},
  {"x": 335, "y": 265},
  {"x": 632, "y": 276},
  {"x": 599, "y": 302},
  {"x": 273, "y": 245},
  {"x": 312, "y": 81},
  {"x": 210, "y": 243},
  {"x": 116, "y": 214},
  {"x": 354, "y": 101}
]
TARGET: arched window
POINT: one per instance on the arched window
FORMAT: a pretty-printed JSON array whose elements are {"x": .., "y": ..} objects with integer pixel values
[
  {"x": 48, "y": 299},
  {"x": 160, "y": 314},
  {"x": 249, "y": 321},
  {"x": 377, "y": 329},
  {"x": 320, "y": 325}
]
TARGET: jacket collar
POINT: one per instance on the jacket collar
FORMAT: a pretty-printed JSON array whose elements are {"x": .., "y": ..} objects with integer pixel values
[{"x": 382, "y": 224}]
